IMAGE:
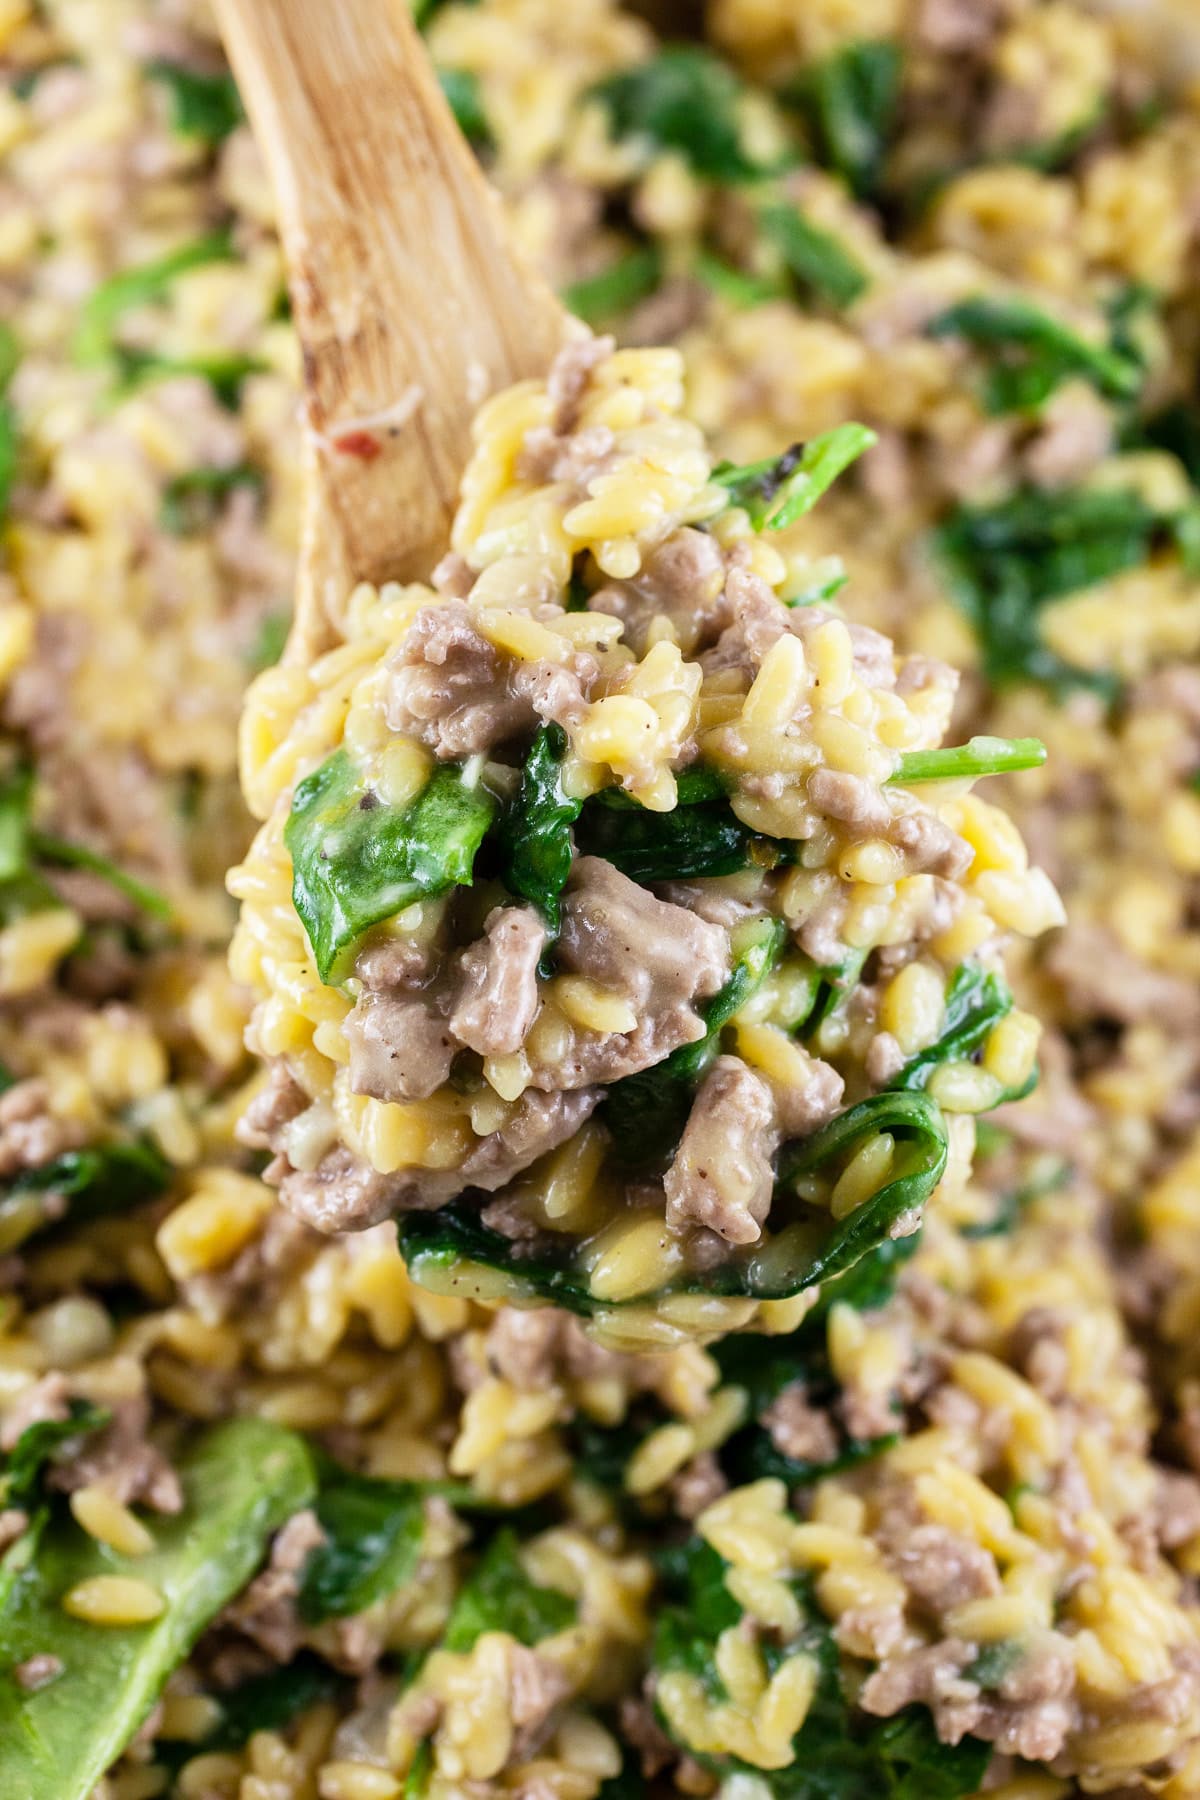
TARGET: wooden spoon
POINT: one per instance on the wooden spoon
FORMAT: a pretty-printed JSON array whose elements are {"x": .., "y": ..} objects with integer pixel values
[{"x": 410, "y": 303}]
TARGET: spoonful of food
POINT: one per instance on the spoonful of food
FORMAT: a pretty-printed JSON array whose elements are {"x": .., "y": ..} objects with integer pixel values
[
  {"x": 410, "y": 304},
  {"x": 619, "y": 924}
]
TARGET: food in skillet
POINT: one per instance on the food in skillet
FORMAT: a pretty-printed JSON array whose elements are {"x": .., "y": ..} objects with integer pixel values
[{"x": 621, "y": 921}]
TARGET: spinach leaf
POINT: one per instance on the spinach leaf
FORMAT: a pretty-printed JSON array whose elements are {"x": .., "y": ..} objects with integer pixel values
[
  {"x": 39, "y": 1446},
  {"x": 224, "y": 370},
  {"x": 241, "y": 1481},
  {"x": 1175, "y": 429},
  {"x": 204, "y": 106},
  {"x": 58, "y": 850},
  {"x": 535, "y": 830},
  {"x": 629, "y": 1783},
  {"x": 849, "y": 102},
  {"x": 266, "y": 1703},
  {"x": 499, "y": 1596},
  {"x": 23, "y": 887},
  {"x": 705, "y": 838},
  {"x": 733, "y": 285},
  {"x": 781, "y": 489},
  {"x": 1004, "y": 562},
  {"x": 374, "y": 1530},
  {"x": 598, "y": 298},
  {"x": 921, "y": 1151},
  {"x": 814, "y": 256},
  {"x": 977, "y": 757},
  {"x": 826, "y": 580},
  {"x": 1031, "y": 352},
  {"x": 417, "y": 1780},
  {"x": 646, "y": 1112},
  {"x": 79, "y": 1185},
  {"x": 764, "y": 1367},
  {"x": 10, "y": 356},
  {"x": 8, "y": 454},
  {"x": 270, "y": 640},
  {"x": 838, "y": 1753},
  {"x": 1011, "y": 1202},
  {"x": 192, "y": 500},
  {"x": 461, "y": 88},
  {"x": 357, "y": 861},
  {"x": 687, "y": 100},
  {"x": 838, "y": 982},
  {"x": 976, "y": 1000},
  {"x": 441, "y": 1248},
  {"x": 95, "y": 335}
]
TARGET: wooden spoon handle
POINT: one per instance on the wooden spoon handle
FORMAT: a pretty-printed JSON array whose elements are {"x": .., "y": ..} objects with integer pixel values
[{"x": 409, "y": 301}]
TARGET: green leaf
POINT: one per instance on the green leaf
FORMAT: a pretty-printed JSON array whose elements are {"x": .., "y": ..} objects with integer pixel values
[
  {"x": 814, "y": 256},
  {"x": 920, "y": 1162},
  {"x": 10, "y": 355},
  {"x": 95, "y": 334},
  {"x": 535, "y": 830},
  {"x": 241, "y": 1482},
  {"x": 23, "y": 888},
  {"x": 270, "y": 640},
  {"x": 442, "y": 1248},
  {"x": 357, "y": 861},
  {"x": 192, "y": 500},
  {"x": 374, "y": 1530},
  {"x": 615, "y": 290},
  {"x": 689, "y": 841},
  {"x": 8, "y": 455},
  {"x": 1011, "y": 1202},
  {"x": 733, "y": 285},
  {"x": 16, "y": 805},
  {"x": 646, "y": 1112},
  {"x": 40, "y": 1445},
  {"x": 265, "y": 1703},
  {"x": 979, "y": 756},
  {"x": 202, "y": 106},
  {"x": 976, "y": 1001},
  {"x": 224, "y": 370},
  {"x": 994, "y": 1662},
  {"x": 425, "y": 11},
  {"x": 839, "y": 1753},
  {"x": 58, "y": 850},
  {"x": 461, "y": 88},
  {"x": 781, "y": 489},
  {"x": 687, "y": 100},
  {"x": 499, "y": 1596},
  {"x": 417, "y": 1780},
  {"x": 1004, "y": 562},
  {"x": 849, "y": 102},
  {"x": 1176, "y": 429},
  {"x": 824, "y": 586},
  {"x": 764, "y": 1367},
  {"x": 79, "y": 1185},
  {"x": 1031, "y": 352}
]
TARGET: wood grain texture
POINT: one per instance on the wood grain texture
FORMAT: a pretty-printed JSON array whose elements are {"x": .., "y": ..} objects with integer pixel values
[{"x": 410, "y": 303}]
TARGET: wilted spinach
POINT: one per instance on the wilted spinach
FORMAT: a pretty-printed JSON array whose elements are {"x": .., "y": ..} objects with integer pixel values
[
  {"x": 815, "y": 257},
  {"x": 849, "y": 102},
  {"x": 838, "y": 1753},
  {"x": 206, "y": 106},
  {"x": 687, "y": 100},
  {"x": 1004, "y": 562},
  {"x": 357, "y": 861},
  {"x": 779, "y": 490},
  {"x": 499, "y": 1596},
  {"x": 1030, "y": 352}
]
